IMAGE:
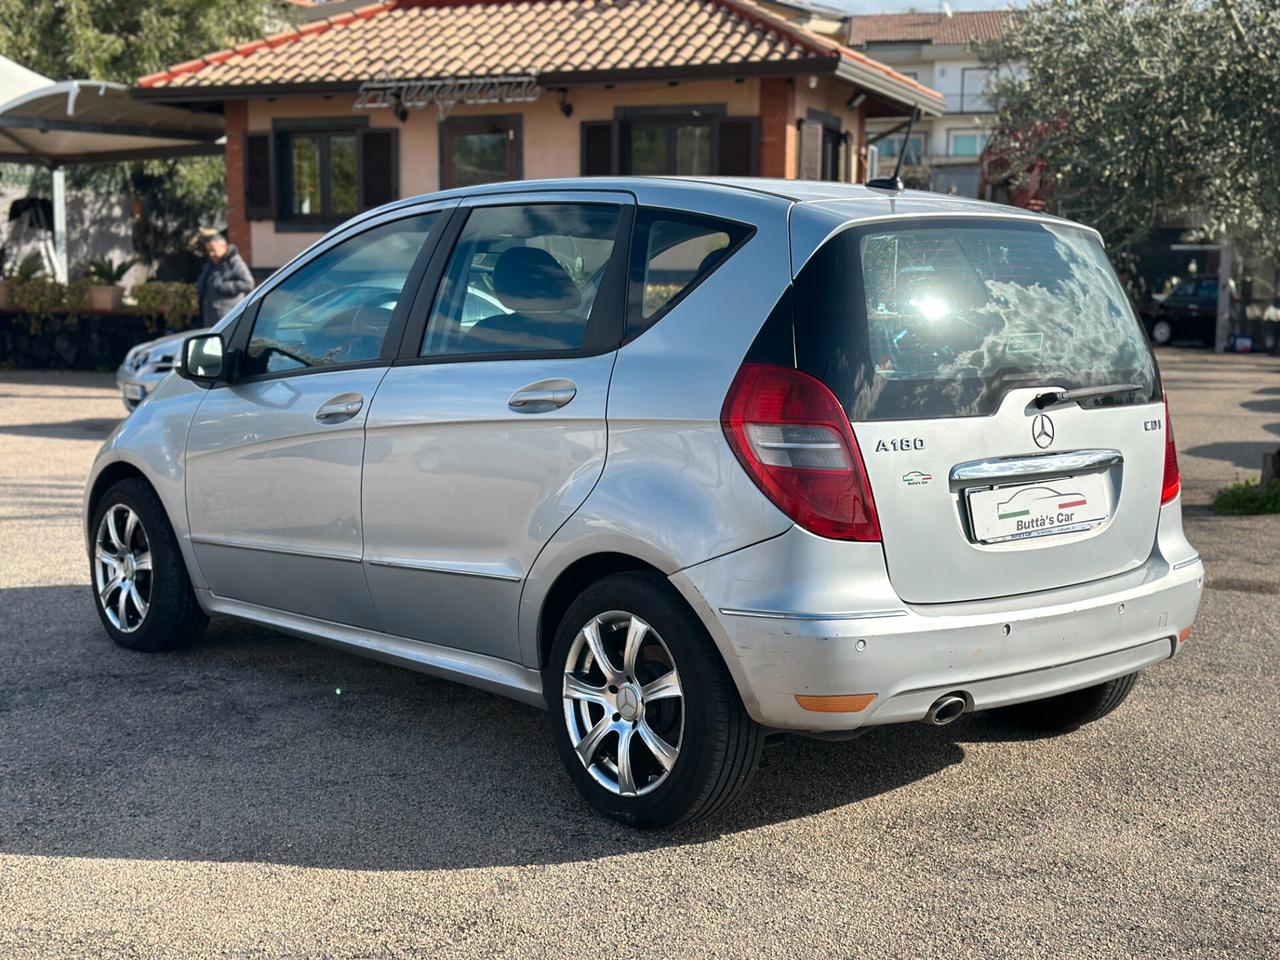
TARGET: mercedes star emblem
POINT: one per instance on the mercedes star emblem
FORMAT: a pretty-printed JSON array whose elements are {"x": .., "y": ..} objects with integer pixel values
[{"x": 1042, "y": 430}]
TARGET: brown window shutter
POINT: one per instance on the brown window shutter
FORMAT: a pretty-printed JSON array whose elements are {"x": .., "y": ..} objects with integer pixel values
[
  {"x": 259, "y": 179},
  {"x": 599, "y": 148},
  {"x": 810, "y": 151},
  {"x": 379, "y": 167},
  {"x": 738, "y": 152}
]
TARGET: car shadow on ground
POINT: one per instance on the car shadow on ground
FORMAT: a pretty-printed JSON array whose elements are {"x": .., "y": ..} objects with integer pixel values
[
  {"x": 94, "y": 428},
  {"x": 1246, "y": 454},
  {"x": 251, "y": 746}
]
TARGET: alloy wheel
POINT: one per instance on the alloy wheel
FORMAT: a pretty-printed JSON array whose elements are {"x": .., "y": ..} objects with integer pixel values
[
  {"x": 623, "y": 704},
  {"x": 122, "y": 568}
]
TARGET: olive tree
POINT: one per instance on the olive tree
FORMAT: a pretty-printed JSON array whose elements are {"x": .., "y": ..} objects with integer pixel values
[
  {"x": 122, "y": 40},
  {"x": 1134, "y": 112}
]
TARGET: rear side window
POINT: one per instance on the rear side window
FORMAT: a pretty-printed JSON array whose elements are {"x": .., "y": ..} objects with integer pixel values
[
  {"x": 523, "y": 279},
  {"x": 671, "y": 254},
  {"x": 941, "y": 319}
]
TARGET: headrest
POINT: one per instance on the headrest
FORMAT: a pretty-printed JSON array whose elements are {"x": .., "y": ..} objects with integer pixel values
[
  {"x": 710, "y": 260},
  {"x": 530, "y": 280}
]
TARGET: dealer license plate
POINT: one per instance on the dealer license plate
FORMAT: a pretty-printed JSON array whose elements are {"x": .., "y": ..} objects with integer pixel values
[{"x": 1045, "y": 508}]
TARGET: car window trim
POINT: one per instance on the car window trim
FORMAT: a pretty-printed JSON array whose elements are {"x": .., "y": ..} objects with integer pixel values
[
  {"x": 605, "y": 326},
  {"x": 400, "y": 316}
]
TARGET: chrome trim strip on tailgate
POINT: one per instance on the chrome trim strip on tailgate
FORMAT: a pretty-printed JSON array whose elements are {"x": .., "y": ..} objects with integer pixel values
[{"x": 1035, "y": 465}]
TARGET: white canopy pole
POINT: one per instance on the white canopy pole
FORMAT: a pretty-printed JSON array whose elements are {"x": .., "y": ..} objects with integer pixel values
[{"x": 60, "y": 224}]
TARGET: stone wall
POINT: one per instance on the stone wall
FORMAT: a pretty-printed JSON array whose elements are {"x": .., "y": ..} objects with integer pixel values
[{"x": 90, "y": 341}]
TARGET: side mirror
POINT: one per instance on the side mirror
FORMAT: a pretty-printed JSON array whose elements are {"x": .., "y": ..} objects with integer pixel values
[{"x": 203, "y": 359}]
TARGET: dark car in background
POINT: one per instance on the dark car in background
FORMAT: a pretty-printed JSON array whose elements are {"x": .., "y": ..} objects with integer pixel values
[{"x": 1188, "y": 313}]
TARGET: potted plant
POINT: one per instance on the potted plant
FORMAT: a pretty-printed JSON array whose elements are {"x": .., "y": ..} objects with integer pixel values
[{"x": 104, "y": 276}]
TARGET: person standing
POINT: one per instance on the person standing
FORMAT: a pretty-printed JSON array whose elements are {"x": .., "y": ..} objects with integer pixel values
[{"x": 225, "y": 279}]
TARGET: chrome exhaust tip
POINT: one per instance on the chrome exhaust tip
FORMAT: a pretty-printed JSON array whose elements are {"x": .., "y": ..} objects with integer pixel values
[{"x": 946, "y": 709}]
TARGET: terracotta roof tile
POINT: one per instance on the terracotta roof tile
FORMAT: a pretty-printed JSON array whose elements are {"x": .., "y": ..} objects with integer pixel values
[
  {"x": 407, "y": 39},
  {"x": 424, "y": 38},
  {"x": 959, "y": 28}
]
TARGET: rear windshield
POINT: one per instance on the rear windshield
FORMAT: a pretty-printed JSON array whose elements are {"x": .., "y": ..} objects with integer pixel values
[{"x": 927, "y": 319}]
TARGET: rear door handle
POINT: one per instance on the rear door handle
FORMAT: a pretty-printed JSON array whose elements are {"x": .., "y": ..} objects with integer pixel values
[
  {"x": 543, "y": 396},
  {"x": 340, "y": 408}
]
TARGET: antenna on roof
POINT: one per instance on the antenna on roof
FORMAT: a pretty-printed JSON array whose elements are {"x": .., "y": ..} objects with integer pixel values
[
  {"x": 894, "y": 183},
  {"x": 946, "y": 9}
]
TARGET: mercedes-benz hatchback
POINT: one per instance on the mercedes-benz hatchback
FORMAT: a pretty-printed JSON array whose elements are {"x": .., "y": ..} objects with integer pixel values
[{"x": 688, "y": 463}]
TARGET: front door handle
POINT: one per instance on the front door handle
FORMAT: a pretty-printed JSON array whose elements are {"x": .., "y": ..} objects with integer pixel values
[
  {"x": 342, "y": 407},
  {"x": 543, "y": 396}
]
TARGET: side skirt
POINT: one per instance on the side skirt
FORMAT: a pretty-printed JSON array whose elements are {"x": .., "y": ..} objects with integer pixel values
[{"x": 476, "y": 670}]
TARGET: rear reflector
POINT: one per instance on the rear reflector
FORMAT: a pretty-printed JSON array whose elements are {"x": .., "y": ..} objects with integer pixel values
[
  {"x": 1182, "y": 637},
  {"x": 846, "y": 703},
  {"x": 1172, "y": 475},
  {"x": 794, "y": 440}
]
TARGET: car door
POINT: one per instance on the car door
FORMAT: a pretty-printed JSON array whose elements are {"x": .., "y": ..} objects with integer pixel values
[
  {"x": 274, "y": 457},
  {"x": 489, "y": 431},
  {"x": 1206, "y": 309}
]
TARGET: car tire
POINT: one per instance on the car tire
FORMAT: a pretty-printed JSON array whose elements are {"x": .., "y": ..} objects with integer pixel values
[
  {"x": 1070, "y": 711},
  {"x": 710, "y": 743},
  {"x": 139, "y": 580},
  {"x": 1162, "y": 333}
]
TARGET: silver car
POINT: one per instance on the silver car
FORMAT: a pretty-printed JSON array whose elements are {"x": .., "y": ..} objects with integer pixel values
[{"x": 725, "y": 459}]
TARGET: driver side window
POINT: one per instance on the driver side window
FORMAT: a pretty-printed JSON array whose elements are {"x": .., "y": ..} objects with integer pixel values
[{"x": 336, "y": 309}]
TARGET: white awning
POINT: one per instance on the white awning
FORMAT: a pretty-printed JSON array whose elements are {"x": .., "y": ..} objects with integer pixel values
[
  {"x": 15, "y": 79},
  {"x": 92, "y": 121}
]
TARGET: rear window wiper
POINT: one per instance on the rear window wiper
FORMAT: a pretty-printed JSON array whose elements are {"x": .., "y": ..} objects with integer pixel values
[{"x": 1053, "y": 397}]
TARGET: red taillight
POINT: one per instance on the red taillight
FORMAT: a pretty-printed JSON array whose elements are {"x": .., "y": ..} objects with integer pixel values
[
  {"x": 794, "y": 440},
  {"x": 1172, "y": 476}
]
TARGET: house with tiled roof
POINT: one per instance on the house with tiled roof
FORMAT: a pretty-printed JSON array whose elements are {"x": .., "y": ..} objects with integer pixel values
[
  {"x": 363, "y": 105},
  {"x": 936, "y": 49}
]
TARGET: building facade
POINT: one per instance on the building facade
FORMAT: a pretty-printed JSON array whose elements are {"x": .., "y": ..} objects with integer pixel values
[
  {"x": 943, "y": 153},
  {"x": 363, "y": 106}
]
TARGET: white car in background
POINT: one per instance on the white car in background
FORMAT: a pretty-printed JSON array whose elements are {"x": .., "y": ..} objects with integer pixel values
[{"x": 146, "y": 365}]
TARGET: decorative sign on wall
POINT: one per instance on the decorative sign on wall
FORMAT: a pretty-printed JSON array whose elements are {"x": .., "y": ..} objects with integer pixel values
[{"x": 385, "y": 93}]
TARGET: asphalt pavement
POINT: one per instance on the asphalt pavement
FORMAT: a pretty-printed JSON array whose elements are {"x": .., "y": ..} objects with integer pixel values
[{"x": 260, "y": 796}]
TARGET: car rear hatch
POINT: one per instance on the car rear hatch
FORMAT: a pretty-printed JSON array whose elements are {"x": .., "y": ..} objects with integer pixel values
[{"x": 950, "y": 343}]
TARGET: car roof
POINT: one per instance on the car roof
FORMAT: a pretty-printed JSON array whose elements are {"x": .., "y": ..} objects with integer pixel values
[{"x": 797, "y": 191}]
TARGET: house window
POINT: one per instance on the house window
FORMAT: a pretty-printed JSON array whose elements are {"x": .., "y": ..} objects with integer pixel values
[
  {"x": 475, "y": 150},
  {"x": 320, "y": 175},
  {"x": 680, "y": 146},
  {"x": 313, "y": 174},
  {"x": 890, "y": 147},
  {"x": 975, "y": 84},
  {"x": 966, "y": 143},
  {"x": 661, "y": 141}
]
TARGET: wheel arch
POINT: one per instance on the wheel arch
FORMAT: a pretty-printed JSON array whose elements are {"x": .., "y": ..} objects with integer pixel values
[
  {"x": 569, "y": 584},
  {"x": 108, "y": 477},
  {"x": 542, "y": 609},
  {"x": 169, "y": 489}
]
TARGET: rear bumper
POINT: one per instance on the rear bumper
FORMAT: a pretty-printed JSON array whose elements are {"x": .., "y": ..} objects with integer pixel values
[{"x": 801, "y": 615}]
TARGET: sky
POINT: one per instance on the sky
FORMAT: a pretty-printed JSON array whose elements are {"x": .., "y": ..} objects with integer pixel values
[{"x": 921, "y": 6}]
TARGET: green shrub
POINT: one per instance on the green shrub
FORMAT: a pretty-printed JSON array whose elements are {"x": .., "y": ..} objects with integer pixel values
[
  {"x": 41, "y": 297},
  {"x": 173, "y": 303},
  {"x": 1248, "y": 497}
]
